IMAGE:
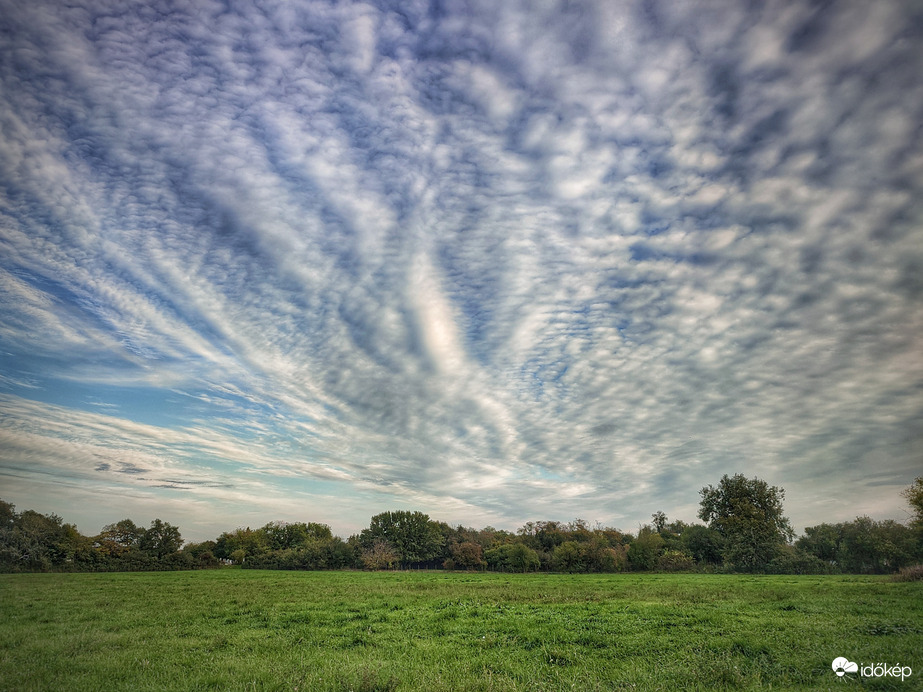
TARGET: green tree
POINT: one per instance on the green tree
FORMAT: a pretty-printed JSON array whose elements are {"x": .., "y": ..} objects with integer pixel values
[
  {"x": 914, "y": 495},
  {"x": 30, "y": 541},
  {"x": 675, "y": 561},
  {"x": 282, "y": 535},
  {"x": 202, "y": 554},
  {"x": 822, "y": 541},
  {"x": 512, "y": 557},
  {"x": 250, "y": 543},
  {"x": 570, "y": 556},
  {"x": 873, "y": 546},
  {"x": 791, "y": 559},
  {"x": 412, "y": 535},
  {"x": 116, "y": 539},
  {"x": 8, "y": 515},
  {"x": 704, "y": 544},
  {"x": 161, "y": 539},
  {"x": 645, "y": 549},
  {"x": 544, "y": 535},
  {"x": 747, "y": 512}
]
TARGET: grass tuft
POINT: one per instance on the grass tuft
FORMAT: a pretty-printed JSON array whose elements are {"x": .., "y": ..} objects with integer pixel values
[{"x": 369, "y": 680}]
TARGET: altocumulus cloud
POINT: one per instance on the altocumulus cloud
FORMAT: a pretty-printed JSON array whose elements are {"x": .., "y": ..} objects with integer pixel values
[{"x": 494, "y": 261}]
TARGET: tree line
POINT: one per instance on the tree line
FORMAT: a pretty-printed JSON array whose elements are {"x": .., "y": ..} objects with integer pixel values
[{"x": 744, "y": 530}]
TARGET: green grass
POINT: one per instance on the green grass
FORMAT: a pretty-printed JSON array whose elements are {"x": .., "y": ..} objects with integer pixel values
[{"x": 338, "y": 631}]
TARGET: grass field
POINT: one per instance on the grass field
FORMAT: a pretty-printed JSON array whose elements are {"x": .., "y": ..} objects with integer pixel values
[{"x": 255, "y": 630}]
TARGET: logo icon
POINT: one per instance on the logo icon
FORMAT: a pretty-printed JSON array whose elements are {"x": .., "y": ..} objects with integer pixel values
[{"x": 842, "y": 665}]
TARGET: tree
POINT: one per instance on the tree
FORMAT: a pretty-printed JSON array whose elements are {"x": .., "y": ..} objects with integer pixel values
[
  {"x": 467, "y": 555},
  {"x": 675, "y": 561},
  {"x": 544, "y": 535},
  {"x": 31, "y": 541},
  {"x": 380, "y": 554},
  {"x": 412, "y": 535},
  {"x": 599, "y": 556},
  {"x": 869, "y": 546},
  {"x": 914, "y": 495},
  {"x": 512, "y": 557},
  {"x": 660, "y": 521},
  {"x": 281, "y": 535},
  {"x": 822, "y": 541},
  {"x": 704, "y": 544},
  {"x": 202, "y": 554},
  {"x": 747, "y": 512},
  {"x": 161, "y": 539},
  {"x": 119, "y": 538},
  {"x": 8, "y": 515},
  {"x": 645, "y": 549},
  {"x": 250, "y": 542},
  {"x": 569, "y": 556}
]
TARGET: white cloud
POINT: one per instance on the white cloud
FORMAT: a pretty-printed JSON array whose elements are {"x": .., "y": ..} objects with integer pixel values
[{"x": 508, "y": 262}]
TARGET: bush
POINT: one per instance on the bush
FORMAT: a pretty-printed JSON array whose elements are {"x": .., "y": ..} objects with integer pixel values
[
  {"x": 676, "y": 561},
  {"x": 467, "y": 555},
  {"x": 569, "y": 557},
  {"x": 380, "y": 555},
  {"x": 601, "y": 558},
  {"x": 914, "y": 573},
  {"x": 792, "y": 560},
  {"x": 512, "y": 557},
  {"x": 207, "y": 559},
  {"x": 645, "y": 549}
]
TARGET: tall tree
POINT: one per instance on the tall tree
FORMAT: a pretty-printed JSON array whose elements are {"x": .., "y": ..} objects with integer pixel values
[
  {"x": 120, "y": 537},
  {"x": 414, "y": 537},
  {"x": 161, "y": 539},
  {"x": 747, "y": 512}
]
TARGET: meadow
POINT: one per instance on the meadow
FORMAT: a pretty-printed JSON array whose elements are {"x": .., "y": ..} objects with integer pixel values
[{"x": 234, "y": 629}]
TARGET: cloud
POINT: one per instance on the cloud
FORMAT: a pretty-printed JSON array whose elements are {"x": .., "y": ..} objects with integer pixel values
[{"x": 511, "y": 262}]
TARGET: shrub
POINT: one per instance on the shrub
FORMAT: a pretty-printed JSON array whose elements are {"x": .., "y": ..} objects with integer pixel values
[
  {"x": 645, "y": 549},
  {"x": 914, "y": 573},
  {"x": 467, "y": 555},
  {"x": 380, "y": 555},
  {"x": 601, "y": 558},
  {"x": 792, "y": 560},
  {"x": 207, "y": 559},
  {"x": 675, "y": 561},
  {"x": 512, "y": 557},
  {"x": 569, "y": 557}
]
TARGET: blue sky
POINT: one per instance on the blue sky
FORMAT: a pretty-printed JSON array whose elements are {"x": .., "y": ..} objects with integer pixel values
[{"x": 493, "y": 261}]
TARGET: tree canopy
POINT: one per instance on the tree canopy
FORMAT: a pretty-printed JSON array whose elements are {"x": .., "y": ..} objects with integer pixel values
[
  {"x": 412, "y": 535},
  {"x": 746, "y": 530},
  {"x": 747, "y": 513}
]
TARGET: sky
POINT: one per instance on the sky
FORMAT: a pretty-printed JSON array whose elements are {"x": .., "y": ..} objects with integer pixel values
[{"x": 495, "y": 262}]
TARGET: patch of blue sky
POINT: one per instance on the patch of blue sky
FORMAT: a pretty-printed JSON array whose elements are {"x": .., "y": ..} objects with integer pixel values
[{"x": 150, "y": 405}]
